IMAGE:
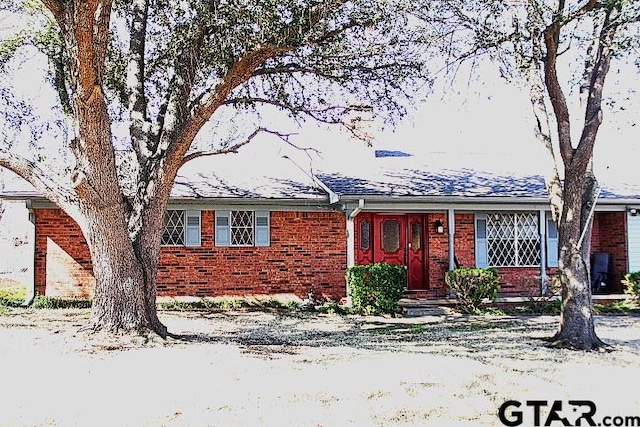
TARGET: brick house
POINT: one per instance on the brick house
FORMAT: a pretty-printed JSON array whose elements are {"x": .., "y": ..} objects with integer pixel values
[
  {"x": 275, "y": 228},
  {"x": 435, "y": 218}
]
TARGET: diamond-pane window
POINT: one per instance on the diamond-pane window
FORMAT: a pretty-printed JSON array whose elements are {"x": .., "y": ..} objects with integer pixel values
[
  {"x": 181, "y": 228},
  {"x": 513, "y": 239},
  {"x": 242, "y": 228},
  {"x": 173, "y": 234}
]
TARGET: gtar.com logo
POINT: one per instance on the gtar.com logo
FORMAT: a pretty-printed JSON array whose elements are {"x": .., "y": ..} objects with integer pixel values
[{"x": 513, "y": 413}]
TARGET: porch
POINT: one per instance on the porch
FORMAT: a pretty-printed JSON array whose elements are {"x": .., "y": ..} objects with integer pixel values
[{"x": 521, "y": 242}]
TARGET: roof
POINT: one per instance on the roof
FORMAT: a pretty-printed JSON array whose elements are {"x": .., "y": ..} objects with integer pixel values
[
  {"x": 443, "y": 182},
  {"x": 252, "y": 174},
  {"x": 268, "y": 172},
  {"x": 247, "y": 175},
  {"x": 400, "y": 174}
]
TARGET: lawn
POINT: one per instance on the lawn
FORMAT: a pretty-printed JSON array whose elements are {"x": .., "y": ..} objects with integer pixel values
[{"x": 261, "y": 368}]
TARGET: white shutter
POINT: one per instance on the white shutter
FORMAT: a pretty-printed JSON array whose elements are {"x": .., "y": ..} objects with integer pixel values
[
  {"x": 552, "y": 244},
  {"x": 262, "y": 228},
  {"x": 223, "y": 228},
  {"x": 192, "y": 228},
  {"x": 633, "y": 237},
  {"x": 482, "y": 251}
]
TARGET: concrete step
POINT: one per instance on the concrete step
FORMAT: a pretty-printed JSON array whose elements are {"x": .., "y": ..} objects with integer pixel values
[{"x": 427, "y": 310}]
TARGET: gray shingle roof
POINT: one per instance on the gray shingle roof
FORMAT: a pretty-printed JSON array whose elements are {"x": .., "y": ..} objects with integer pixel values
[
  {"x": 244, "y": 175},
  {"x": 446, "y": 182},
  {"x": 267, "y": 174},
  {"x": 441, "y": 174}
]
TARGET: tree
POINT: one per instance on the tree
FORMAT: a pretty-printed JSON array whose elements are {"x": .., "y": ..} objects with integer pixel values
[
  {"x": 528, "y": 39},
  {"x": 169, "y": 69}
]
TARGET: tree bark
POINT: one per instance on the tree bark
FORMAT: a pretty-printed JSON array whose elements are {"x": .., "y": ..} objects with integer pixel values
[
  {"x": 577, "y": 326},
  {"x": 125, "y": 294}
]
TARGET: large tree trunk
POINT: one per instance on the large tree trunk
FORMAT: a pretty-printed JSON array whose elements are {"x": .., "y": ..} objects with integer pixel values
[
  {"x": 577, "y": 328},
  {"x": 125, "y": 291}
]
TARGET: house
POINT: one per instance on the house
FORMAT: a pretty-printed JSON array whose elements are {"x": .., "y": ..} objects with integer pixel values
[{"x": 253, "y": 223}]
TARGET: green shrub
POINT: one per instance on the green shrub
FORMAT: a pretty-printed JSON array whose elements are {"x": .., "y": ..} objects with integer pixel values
[
  {"x": 472, "y": 285},
  {"x": 52, "y": 302},
  {"x": 631, "y": 284},
  {"x": 376, "y": 288}
]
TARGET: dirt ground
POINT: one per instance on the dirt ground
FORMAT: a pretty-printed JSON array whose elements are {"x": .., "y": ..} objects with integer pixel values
[{"x": 271, "y": 369}]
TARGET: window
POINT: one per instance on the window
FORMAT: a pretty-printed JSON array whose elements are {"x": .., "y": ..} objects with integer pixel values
[
  {"x": 508, "y": 240},
  {"x": 365, "y": 235},
  {"x": 390, "y": 236},
  {"x": 416, "y": 236},
  {"x": 181, "y": 228},
  {"x": 242, "y": 228}
]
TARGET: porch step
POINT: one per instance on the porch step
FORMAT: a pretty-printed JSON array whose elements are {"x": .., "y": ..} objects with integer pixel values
[
  {"x": 425, "y": 307},
  {"x": 426, "y": 311}
]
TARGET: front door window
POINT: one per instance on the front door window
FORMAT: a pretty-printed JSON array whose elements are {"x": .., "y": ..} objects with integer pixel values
[
  {"x": 416, "y": 236},
  {"x": 390, "y": 236}
]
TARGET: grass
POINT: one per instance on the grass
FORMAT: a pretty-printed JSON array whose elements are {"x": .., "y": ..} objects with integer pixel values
[
  {"x": 540, "y": 308},
  {"x": 53, "y": 302},
  {"x": 223, "y": 304},
  {"x": 12, "y": 297},
  {"x": 16, "y": 297},
  {"x": 618, "y": 307}
]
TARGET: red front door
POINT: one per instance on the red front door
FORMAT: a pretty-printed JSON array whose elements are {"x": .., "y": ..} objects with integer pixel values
[
  {"x": 389, "y": 237},
  {"x": 394, "y": 239}
]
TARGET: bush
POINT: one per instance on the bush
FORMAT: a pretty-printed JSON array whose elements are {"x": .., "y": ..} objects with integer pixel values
[
  {"x": 55, "y": 303},
  {"x": 376, "y": 288},
  {"x": 631, "y": 284},
  {"x": 472, "y": 285}
]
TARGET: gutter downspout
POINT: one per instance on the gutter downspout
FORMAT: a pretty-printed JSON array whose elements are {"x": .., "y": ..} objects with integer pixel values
[
  {"x": 31, "y": 290},
  {"x": 593, "y": 208},
  {"x": 357, "y": 210},
  {"x": 451, "y": 223},
  {"x": 351, "y": 245},
  {"x": 544, "y": 285}
]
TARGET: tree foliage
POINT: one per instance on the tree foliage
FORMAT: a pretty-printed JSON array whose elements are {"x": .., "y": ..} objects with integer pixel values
[
  {"x": 555, "y": 49},
  {"x": 159, "y": 80}
]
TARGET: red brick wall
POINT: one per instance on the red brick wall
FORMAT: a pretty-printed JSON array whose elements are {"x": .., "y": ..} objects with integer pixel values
[
  {"x": 438, "y": 252},
  {"x": 610, "y": 235},
  {"x": 513, "y": 280},
  {"x": 63, "y": 263},
  {"x": 308, "y": 251}
]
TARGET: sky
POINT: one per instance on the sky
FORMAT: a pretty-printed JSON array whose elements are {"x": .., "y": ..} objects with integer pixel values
[
  {"x": 489, "y": 118},
  {"x": 492, "y": 121}
]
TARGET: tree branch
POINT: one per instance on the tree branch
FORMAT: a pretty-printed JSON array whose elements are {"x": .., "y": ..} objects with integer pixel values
[
  {"x": 56, "y": 7},
  {"x": 556, "y": 95},
  {"x": 593, "y": 110},
  {"x": 45, "y": 182},
  {"x": 91, "y": 36},
  {"x": 174, "y": 108},
  {"x": 139, "y": 128},
  {"x": 235, "y": 147},
  {"x": 315, "y": 114}
]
